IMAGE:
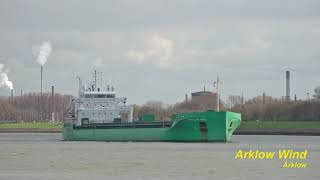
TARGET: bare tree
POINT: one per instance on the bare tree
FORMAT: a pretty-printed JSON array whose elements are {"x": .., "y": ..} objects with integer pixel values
[
  {"x": 316, "y": 95},
  {"x": 234, "y": 100},
  {"x": 34, "y": 107}
]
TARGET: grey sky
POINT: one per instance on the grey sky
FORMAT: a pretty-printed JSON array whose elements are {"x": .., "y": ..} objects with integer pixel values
[{"x": 163, "y": 49}]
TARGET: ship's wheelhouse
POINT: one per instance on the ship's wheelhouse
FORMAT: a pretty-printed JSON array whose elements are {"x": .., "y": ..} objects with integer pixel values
[{"x": 94, "y": 106}]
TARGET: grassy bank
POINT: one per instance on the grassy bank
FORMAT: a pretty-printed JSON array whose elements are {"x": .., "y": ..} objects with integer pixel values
[
  {"x": 30, "y": 125},
  {"x": 280, "y": 125}
]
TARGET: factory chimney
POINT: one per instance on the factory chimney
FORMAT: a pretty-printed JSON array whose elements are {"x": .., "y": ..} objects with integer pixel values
[
  {"x": 41, "y": 80},
  {"x": 52, "y": 90},
  {"x": 12, "y": 94},
  {"x": 288, "y": 85}
]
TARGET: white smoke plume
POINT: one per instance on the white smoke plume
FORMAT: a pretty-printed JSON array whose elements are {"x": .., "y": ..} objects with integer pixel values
[
  {"x": 4, "y": 80},
  {"x": 43, "y": 52}
]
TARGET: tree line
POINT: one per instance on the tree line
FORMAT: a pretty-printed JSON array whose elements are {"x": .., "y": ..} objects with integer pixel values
[
  {"x": 43, "y": 108},
  {"x": 267, "y": 108},
  {"x": 260, "y": 108},
  {"x": 34, "y": 107}
]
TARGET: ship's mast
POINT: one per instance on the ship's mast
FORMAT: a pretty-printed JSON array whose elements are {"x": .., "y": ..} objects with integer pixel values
[
  {"x": 217, "y": 83},
  {"x": 95, "y": 79},
  {"x": 80, "y": 85}
]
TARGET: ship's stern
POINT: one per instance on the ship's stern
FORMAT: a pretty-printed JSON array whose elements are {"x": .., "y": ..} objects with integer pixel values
[{"x": 67, "y": 130}]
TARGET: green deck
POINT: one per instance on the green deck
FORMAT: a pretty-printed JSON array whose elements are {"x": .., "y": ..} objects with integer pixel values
[{"x": 193, "y": 127}]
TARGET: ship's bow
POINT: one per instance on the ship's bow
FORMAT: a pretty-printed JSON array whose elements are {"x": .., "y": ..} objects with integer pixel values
[{"x": 233, "y": 121}]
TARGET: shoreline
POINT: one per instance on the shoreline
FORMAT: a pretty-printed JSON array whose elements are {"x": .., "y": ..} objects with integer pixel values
[
  {"x": 291, "y": 132},
  {"x": 294, "y": 132},
  {"x": 30, "y": 130}
]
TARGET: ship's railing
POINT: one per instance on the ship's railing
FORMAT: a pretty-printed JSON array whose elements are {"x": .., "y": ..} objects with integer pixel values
[
  {"x": 70, "y": 120},
  {"x": 126, "y": 125}
]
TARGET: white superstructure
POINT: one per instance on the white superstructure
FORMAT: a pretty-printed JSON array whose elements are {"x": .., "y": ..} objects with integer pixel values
[{"x": 97, "y": 105}]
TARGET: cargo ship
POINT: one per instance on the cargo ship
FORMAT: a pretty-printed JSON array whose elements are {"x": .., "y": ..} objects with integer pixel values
[{"x": 99, "y": 115}]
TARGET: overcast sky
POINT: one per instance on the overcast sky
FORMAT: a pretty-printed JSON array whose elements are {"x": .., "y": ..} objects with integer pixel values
[{"x": 161, "y": 50}]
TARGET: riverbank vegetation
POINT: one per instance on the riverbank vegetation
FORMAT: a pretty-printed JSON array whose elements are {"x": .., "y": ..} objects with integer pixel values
[
  {"x": 262, "y": 108},
  {"x": 33, "y": 107}
]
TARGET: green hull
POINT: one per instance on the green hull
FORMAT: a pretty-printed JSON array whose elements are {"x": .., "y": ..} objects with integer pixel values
[{"x": 192, "y": 127}]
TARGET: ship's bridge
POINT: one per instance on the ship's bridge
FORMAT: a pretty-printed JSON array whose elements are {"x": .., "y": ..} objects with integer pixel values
[
  {"x": 99, "y": 94},
  {"x": 100, "y": 105}
]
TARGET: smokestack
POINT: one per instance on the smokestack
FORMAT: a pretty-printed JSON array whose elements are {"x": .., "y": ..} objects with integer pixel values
[
  {"x": 288, "y": 85},
  {"x": 44, "y": 52},
  {"x": 12, "y": 94},
  {"x": 52, "y": 90},
  {"x": 186, "y": 98},
  {"x": 41, "y": 80}
]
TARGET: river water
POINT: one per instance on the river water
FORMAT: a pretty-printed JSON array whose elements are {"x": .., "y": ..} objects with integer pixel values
[{"x": 46, "y": 156}]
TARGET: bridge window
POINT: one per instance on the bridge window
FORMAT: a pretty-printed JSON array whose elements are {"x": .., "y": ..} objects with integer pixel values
[
  {"x": 88, "y": 96},
  {"x": 110, "y": 95},
  {"x": 100, "y": 96}
]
